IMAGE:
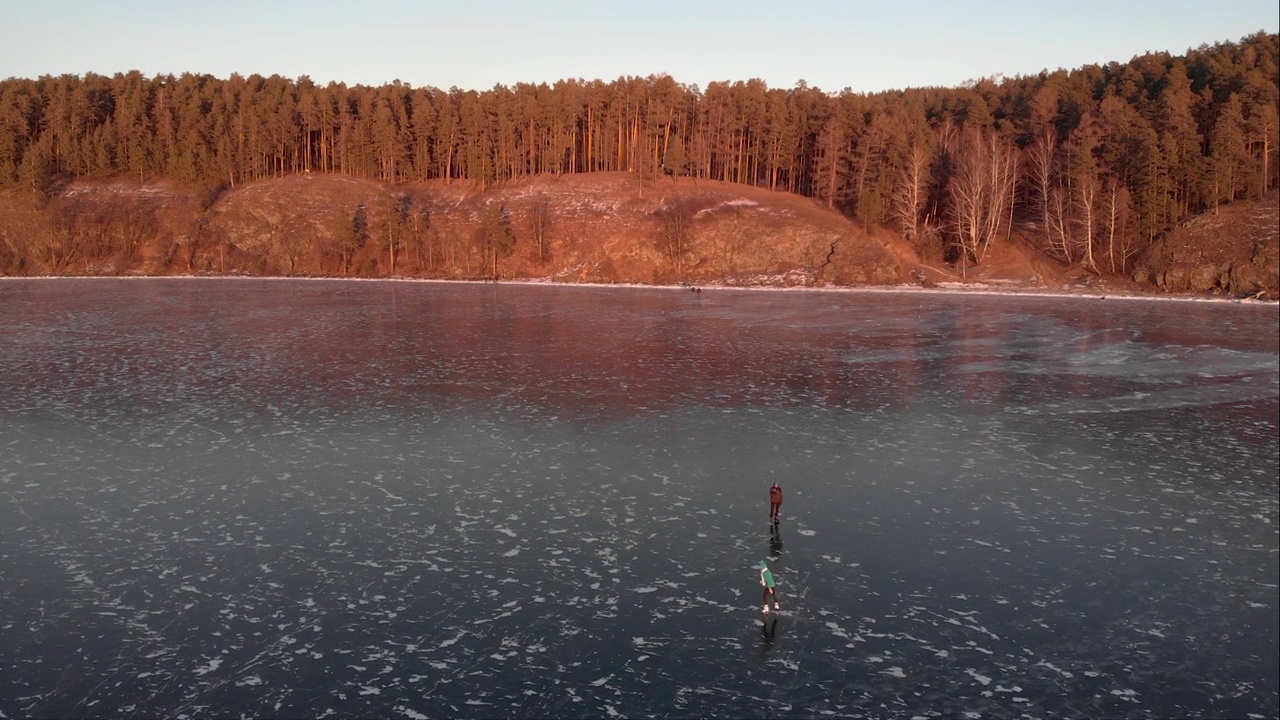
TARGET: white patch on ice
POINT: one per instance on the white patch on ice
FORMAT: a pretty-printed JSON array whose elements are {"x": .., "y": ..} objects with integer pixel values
[
  {"x": 1125, "y": 694},
  {"x": 807, "y": 533},
  {"x": 894, "y": 671},
  {"x": 249, "y": 681},
  {"x": 205, "y": 669},
  {"x": 1055, "y": 668},
  {"x": 411, "y": 713},
  {"x": 983, "y": 679},
  {"x": 646, "y": 589}
]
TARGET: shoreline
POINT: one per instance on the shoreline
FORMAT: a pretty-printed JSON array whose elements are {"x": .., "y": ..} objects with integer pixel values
[{"x": 949, "y": 288}]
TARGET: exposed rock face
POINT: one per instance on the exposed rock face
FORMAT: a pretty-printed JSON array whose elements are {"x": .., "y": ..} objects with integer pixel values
[{"x": 1234, "y": 252}]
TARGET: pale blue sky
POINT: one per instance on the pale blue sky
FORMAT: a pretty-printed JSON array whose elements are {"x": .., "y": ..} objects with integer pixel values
[{"x": 831, "y": 44}]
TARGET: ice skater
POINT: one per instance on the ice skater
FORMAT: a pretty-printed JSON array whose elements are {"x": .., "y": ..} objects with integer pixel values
[
  {"x": 775, "y": 502},
  {"x": 770, "y": 589}
]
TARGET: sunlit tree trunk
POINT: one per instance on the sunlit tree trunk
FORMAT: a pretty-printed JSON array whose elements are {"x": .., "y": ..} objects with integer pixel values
[
  {"x": 912, "y": 192},
  {"x": 979, "y": 192}
]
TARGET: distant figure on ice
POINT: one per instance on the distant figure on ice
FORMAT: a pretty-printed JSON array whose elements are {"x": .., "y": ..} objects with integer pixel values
[
  {"x": 775, "y": 502},
  {"x": 770, "y": 589}
]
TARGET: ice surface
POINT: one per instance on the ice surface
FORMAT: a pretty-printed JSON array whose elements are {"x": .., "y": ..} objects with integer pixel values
[{"x": 309, "y": 498}]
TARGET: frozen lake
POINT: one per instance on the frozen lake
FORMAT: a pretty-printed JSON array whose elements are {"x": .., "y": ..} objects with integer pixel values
[{"x": 304, "y": 498}]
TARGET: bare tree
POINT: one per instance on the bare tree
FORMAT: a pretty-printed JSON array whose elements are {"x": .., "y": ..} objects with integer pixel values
[
  {"x": 1061, "y": 241},
  {"x": 674, "y": 230},
  {"x": 497, "y": 239},
  {"x": 70, "y": 236},
  {"x": 1041, "y": 155},
  {"x": 539, "y": 224},
  {"x": 913, "y": 193},
  {"x": 980, "y": 193},
  {"x": 1115, "y": 217},
  {"x": 1086, "y": 205},
  {"x": 1082, "y": 174}
]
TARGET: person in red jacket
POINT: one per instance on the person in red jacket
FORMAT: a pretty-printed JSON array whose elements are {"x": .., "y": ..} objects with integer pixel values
[{"x": 775, "y": 502}]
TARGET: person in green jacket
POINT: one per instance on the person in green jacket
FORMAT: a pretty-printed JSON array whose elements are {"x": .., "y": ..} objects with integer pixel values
[{"x": 770, "y": 589}]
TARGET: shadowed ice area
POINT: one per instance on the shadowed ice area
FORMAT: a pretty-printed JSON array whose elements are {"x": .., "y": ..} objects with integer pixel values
[{"x": 310, "y": 498}]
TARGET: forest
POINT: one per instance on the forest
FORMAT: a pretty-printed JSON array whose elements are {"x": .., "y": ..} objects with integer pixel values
[{"x": 1100, "y": 160}]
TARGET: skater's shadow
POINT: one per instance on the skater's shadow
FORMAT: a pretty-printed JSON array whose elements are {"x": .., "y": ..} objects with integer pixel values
[
  {"x": 768, "y": 631},
  {"x": 775, "y": 540}
]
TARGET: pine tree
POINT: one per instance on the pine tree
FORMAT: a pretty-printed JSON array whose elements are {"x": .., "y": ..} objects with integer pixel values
[{"x": 1228, "y": 155}]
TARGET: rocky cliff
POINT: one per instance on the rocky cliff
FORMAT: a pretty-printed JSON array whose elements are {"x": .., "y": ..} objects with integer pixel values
[{"x": 1233, "y": 251}]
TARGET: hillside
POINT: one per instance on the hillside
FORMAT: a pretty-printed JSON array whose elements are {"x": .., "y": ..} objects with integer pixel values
[
  {"x": 600, "y": 227},
  {"x": 1231, "y": 251},
  {"x": 596, "y": 227}
]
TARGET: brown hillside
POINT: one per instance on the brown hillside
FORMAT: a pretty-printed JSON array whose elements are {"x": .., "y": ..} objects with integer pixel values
[
  {"x": 95, "y": 228},
  {"x": 600, "y": 227},
  {"x": 1234, "y": 251}
]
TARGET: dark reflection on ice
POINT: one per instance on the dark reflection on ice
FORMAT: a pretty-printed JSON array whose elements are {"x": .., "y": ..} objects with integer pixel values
[{"x": 301, "y": 498}]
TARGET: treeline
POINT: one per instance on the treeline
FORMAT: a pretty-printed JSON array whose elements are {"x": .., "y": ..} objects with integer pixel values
[{"x": 1096, "y": 162}]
